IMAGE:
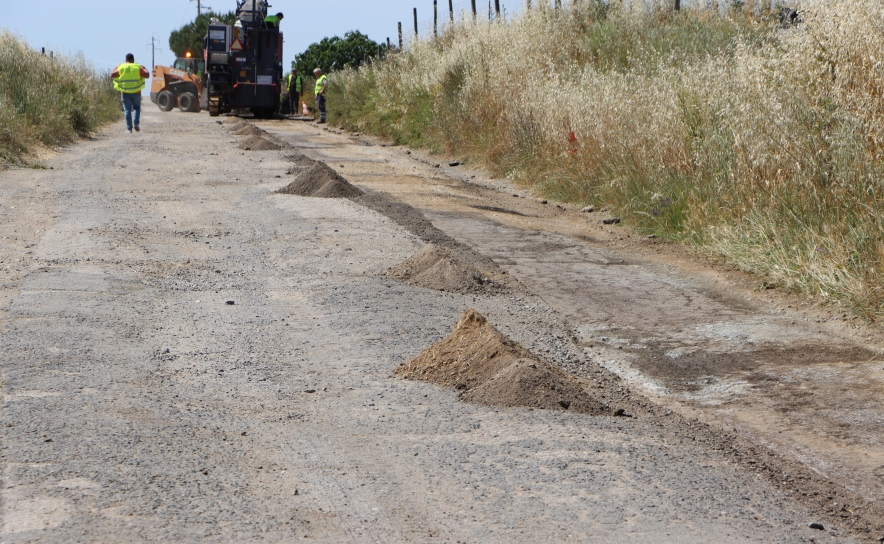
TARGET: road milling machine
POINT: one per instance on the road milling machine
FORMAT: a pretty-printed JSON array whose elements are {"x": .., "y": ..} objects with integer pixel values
[
  {"x": 180, "y": 85},
  {"x": 244, "y": 62}
]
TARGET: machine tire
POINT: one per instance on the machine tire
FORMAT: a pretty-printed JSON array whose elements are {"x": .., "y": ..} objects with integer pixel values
[
  {"x": 187, "y": 102},
  {"x": 165, "y": 101}
]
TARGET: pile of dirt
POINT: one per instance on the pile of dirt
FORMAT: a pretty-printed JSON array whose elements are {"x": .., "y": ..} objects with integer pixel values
[
  {"x": 493, "y": 370},
  {"x": 299, "y": 160},
  {"x": 320, "y": 180},
  {"x": 238, "y": 124},
  {"x": 249, "y": 130},
  {"x": 435, "y": 268},
  {"x": 257, "y": 143}
]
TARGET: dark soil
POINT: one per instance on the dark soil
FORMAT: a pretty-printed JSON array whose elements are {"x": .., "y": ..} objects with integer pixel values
[
  {"x": 687, "y": 372},
  {"x": 320, "y": 180},
  {"x": 257, "y": 143},
  {"x": 435, "y": 268},
  {"x": 493, "y": 370}
]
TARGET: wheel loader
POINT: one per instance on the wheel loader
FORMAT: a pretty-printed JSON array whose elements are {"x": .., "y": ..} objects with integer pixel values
[{"x": 180, "y": 85}]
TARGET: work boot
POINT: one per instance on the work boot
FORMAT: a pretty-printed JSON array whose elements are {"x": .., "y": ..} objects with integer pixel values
[
  {"x": 128, "y": 131},
  {"x": 137, "y": 129}
]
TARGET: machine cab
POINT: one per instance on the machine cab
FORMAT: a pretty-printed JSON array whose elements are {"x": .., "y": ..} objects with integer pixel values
[{"x": 191, "y": 65}]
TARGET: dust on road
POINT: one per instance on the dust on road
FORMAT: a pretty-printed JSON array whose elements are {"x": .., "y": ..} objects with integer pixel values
[{"x": 139, "y": 406}]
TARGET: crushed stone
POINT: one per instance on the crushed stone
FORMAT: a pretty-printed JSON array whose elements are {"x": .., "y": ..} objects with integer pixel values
[
  {"x": 493, "y": 370},
  {"x": 320, "y": 180}
]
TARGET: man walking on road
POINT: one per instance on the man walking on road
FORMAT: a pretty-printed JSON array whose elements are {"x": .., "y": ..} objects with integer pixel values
[
  {"x": 321, "y": 83},
  {"x": 295, "y": 86},
  {"x": 129, "y": 81}
]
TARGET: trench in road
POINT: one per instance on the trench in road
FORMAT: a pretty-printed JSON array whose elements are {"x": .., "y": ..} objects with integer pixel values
[{"x": 806, "y": 381}]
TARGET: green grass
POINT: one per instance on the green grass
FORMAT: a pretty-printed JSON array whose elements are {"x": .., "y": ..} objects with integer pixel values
[{"x": 48, "y": 101}]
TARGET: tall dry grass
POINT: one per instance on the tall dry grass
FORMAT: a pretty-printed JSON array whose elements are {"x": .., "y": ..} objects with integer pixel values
[
  {"x": 48, "y": 101},
  {"x": 760, "y": 145}
]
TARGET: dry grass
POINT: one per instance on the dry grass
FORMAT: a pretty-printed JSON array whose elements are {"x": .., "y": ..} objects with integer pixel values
[
  {"x": 760, "y": 145},
  {"x": 46, "y": 102}
]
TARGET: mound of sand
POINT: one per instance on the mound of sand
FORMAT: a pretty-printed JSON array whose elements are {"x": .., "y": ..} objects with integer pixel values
[
  {"x": 233, "y": 120},
  {"x": 237, "y": 125},
  {"x": 249, "y": 130},
  {"x": 435, "y": 268},
  {"x": 320, "y": 180},
  {"x": 257, "y": 143},
  {"x": 493, "y": 370}
]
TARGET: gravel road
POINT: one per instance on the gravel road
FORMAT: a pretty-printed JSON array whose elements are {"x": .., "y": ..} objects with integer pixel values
[{"x": 189, "y": 356}]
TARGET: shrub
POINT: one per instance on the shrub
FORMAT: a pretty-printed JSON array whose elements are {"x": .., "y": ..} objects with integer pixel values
[
  {"x": 760, "y": 145},
  {"x": 48, "y": 101}
]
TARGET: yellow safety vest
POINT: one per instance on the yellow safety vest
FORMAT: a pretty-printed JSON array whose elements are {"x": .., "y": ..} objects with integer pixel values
[
  {"x": 320, "y": 83},
  {"x": 297, "y": 87},
  {"x": 130, "y": 80}
]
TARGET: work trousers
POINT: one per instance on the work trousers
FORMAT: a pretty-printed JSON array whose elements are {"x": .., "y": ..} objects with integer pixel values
[
  {"x": 320, "y": 103},
  {"x": 294, "y": 103},
  {"x": 132, "y": 101}
]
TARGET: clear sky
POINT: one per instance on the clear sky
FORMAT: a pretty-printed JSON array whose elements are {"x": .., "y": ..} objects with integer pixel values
[{"x": 105, "y": 30}]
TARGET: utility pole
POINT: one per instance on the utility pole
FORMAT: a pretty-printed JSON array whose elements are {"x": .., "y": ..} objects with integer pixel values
[
  {"x": 435, "y": 19},
  {"x": 199, "y": 7},
  {"x": 474, "y": 8},
  {"x": 415, "y": 22},
  {"x": 153, "y": 51},
  {"x": 400, "y": 36},
  {"x": 451, "y": 10}
]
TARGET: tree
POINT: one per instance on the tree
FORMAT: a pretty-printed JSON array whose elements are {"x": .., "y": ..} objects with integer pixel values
[
  {"x": 190, "y": 37},
  {"x": 335, "y": 53}
]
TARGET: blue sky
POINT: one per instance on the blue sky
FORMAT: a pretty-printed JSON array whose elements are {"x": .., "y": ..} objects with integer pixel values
[{"x": 104, "y": 30}]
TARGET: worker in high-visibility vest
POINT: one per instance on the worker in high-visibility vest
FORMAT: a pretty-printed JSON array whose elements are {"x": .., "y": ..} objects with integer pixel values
[
  {"x": 272, "y": 21},
  {"x": 295, "y": 86},
  {"x": 321, "y": 84},
  {"x": 129, "y": 82}
]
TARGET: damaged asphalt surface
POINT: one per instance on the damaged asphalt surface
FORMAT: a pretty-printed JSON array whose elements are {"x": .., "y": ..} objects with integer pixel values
[{"x": 139, "y": 405}]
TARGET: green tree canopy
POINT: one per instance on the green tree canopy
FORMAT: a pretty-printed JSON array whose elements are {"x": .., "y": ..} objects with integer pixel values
[
  {"x": 336, "y": 53},
  {"x": 190, "y": 36}
]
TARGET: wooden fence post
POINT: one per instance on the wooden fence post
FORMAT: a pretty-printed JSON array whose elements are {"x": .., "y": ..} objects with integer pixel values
[
  {"x": 400, "y": 36},
  {"x": 435, "y": 19},
  {"x": 389, "y": 45},
  {"x": 451, "y": 10},
  {"x": 474, "y": 8},
  {"x": 415, "y": 22},
  {"x": 497, "y": 9}
]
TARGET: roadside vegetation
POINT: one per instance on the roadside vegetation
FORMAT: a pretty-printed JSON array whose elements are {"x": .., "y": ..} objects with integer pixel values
[
  {"x": 46, "y": 102},
  {"x": 760, "y": 145}
]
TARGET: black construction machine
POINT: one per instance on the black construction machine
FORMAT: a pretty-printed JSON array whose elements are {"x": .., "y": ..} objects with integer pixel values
[{"x": 244, "y": 62}]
